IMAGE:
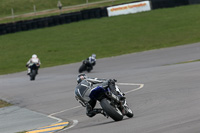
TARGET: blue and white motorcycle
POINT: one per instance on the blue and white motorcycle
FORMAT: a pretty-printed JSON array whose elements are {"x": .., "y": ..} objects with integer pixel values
[{"x": 111, "y": 104}]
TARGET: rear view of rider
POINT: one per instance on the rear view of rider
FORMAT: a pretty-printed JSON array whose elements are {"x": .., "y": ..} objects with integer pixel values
[
  {"x": 84, "y": 87},
  {"x": 33, "y": 60}
]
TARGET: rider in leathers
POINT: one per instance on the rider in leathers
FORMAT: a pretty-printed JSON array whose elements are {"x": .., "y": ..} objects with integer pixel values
[
  {"x": 91, "y": 61},
  {"x": 83, "y": 90},
  {"x": 31, "y": 61}
]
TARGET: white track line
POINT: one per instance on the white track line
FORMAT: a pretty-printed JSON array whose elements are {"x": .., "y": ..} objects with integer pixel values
[
  {"x": 141, "y": 86},
  {"x": 64, "y": 110},
  {"x": 75, "y": 122}
]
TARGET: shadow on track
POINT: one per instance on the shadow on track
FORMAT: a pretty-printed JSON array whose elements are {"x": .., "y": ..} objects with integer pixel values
[{"x": 103, "y": 123}]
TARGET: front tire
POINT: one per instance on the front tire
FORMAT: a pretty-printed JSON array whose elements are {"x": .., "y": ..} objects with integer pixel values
[
  {"x": 32, "y": 75},
  {"x": 129, "y": 112},
  {"x": 112, "y": 111},
  {"x": 89, "y": 69},
  {"x": 82, "y": 68}
]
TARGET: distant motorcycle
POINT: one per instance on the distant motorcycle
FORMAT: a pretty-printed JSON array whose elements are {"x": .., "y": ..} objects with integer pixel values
[
  {"x": 34, "y": 71},
  {"x": 110, "y": 103},
  {"x": 86, "y": 66}
]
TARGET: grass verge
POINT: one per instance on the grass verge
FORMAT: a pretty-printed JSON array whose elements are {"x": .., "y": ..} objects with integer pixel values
[
  {"x": 4, "y": 103},
  {"x": 106, "y": 37},
  {"x": 47, "y": 8},
  {"x": 26, "y": 6}
]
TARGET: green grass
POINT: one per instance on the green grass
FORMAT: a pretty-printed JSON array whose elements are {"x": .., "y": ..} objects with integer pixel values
[
  {"x": 23, "y": 6},
  {"x": 19, "y": 9},
  {"x": 4, "y": 103},
  {"x": 26, "y": 6},
  {"x": 106, "y": 37}
]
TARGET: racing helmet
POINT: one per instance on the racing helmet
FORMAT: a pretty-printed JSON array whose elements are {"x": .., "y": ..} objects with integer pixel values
[
  {"x": 94, "y": 56},
  {"x": 34, "y": 56},
  {"x": 81, "y": 77}
]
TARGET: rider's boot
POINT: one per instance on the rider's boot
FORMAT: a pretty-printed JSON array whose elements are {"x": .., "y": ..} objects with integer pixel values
[
  {"x": 29, "y": 71},
  {"x": 100, "y": 111},
  {"x": 92, "y": 112}
]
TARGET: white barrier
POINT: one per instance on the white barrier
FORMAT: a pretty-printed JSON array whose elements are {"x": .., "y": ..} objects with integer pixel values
[{"x": 129, "y": 8}]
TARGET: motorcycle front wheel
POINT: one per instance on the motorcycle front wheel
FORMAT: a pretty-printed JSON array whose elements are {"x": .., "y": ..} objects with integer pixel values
[
  {"x": 111, "y": 110},
  {"x": 129, "y": 112},
  {"x": 32, "y": 75},
  {"x": 82, "y": 68}
]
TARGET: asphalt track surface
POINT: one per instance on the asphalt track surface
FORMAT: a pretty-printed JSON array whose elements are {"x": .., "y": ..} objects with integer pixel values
[{"x": 169, "y": 101}]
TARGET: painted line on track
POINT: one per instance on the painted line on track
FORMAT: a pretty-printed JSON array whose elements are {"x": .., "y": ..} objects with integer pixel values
[
  {"x": 61, "y": 126},
  {"x": 128, "y": 84},
  {"x": 132, "y": 84},
  {"x": 50, "y": 128}
]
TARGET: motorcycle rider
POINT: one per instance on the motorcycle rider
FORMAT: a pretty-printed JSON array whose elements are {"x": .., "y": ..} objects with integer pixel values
[
  {"x": 88, "y": 64},
  {"x": 84, "y": 87},
  {"x": 92, "y": 59},
  {"x": 31, "y": 61}
]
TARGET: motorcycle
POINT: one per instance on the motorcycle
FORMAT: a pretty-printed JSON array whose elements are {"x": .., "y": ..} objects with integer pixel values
[
  {"x": 110, "y": 103},
  {"x": 86, "y": 66},
  {"x": 34, "y": 71}
]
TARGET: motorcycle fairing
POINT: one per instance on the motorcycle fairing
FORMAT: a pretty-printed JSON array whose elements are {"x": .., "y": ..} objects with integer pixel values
[{"x": 97, "y": 92}]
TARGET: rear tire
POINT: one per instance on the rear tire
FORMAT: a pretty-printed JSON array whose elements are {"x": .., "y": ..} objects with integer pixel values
[{"x": 112, "y": 111}]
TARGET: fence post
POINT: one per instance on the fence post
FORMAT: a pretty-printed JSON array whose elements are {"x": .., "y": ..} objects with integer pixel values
[
  {"x": 12, "y": 12},
  {"x": 34, "y": 9},
  {"x": 87, "y": 2}
]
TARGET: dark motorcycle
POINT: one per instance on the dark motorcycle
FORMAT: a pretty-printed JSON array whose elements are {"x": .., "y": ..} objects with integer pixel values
[
  {"x": 110, "y": 103},
  {"x": 34, "y": 71},
  {"x": 86, "y": 66}
]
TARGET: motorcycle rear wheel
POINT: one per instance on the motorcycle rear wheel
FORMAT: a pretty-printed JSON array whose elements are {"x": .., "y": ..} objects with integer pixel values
[{"x": 112, "y": 111}]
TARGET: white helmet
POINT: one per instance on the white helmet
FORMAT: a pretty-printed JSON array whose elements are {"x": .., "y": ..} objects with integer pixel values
[
  {"x": 34, "y": 56},
  {"x": 81, "y": 77},
  {"x": 94, "y": 56}
]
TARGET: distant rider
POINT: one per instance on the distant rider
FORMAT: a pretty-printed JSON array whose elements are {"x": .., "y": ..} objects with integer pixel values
[
  {"x": 92, "y": 59},
  {"x": 84, "y": 87},
  {"x": 33, "y": 60}
]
